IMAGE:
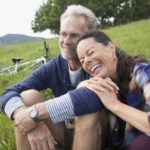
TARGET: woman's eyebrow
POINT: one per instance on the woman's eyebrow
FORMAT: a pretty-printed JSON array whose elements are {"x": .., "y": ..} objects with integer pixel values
[{"x": 89, "y": 49}]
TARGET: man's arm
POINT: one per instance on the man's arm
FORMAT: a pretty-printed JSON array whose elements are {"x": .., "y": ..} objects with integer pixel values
[
  {"x": 39, "y": 80},
  {"x": 85, "y": 101},
  {"x": 12, "y": 105},
  {"x": 77, "y": 102},
  {"x": 74, "y": 103}
]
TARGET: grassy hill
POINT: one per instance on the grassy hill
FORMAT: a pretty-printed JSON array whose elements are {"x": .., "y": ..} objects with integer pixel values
[
  {"x": 17, "y": 38},
  {"x": 133, "y": 38}
]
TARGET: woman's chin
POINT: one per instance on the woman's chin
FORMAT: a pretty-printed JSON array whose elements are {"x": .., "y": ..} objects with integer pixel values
[{"x": 99, "y": 75}]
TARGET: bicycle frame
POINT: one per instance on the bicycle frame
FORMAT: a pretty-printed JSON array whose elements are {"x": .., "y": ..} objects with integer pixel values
[
  {"x": 32, "y": 65},
  {"x": 29, "y": 65}
]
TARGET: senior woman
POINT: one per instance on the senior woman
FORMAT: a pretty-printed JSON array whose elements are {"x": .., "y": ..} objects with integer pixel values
[{"x": 109, "y": 66}]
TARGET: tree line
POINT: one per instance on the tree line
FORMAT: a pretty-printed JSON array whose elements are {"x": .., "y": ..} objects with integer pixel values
[{"x": 108, "y": 12}]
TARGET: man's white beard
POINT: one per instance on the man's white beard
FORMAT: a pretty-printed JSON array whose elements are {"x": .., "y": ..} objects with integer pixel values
[{"x": 69, "y": 57}]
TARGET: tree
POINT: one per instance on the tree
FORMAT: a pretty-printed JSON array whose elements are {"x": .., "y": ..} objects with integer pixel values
[
  {"x": 48, "y": 15},
  {"x": 108, "y": 12}
]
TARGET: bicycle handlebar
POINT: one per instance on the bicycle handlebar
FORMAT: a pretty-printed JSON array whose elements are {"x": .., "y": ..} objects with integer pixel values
[{"x": 46, "y": 48}]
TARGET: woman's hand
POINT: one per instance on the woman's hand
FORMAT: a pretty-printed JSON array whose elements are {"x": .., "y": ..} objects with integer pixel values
[
  {"x": 101, "y": 83},
  {"x": 23, "y": 121},
  {"x": 106, "y": 89}
]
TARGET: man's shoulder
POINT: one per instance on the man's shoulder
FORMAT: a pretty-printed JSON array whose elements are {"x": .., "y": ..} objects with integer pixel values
[
  {"x": 58, "y": 59},
  {"x": 56, "y": 64}
]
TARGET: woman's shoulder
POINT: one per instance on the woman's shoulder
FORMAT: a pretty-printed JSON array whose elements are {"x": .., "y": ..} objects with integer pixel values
[
  {"x": 141, "y": 74},
  {"x": 142, "y": 67}
]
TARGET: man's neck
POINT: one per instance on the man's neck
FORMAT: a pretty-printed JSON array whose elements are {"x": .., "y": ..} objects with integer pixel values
[{"x": 74, "y": 64}]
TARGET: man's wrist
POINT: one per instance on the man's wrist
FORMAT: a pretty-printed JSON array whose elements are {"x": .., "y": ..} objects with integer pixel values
[
  {"x": 42, "y": 111},
  {"x": 34, "y": 114},
  {"x": 17, "y": 111}
]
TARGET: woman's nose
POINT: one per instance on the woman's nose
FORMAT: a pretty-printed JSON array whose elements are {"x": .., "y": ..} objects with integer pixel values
[{"x": 87, "y": 61}]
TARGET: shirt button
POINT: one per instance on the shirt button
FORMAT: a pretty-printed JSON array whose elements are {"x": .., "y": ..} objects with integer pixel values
[{"x": 116, "y": 129}]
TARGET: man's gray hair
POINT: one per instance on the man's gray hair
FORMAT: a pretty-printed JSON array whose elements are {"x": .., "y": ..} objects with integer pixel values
[{"x": 78, "y": 10}]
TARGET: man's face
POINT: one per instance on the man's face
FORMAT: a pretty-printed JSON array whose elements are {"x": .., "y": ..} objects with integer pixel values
[{"x": 70, "y": 30}]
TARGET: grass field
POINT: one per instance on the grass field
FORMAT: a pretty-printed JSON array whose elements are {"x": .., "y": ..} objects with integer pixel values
[{"x": 133, "y": 38}]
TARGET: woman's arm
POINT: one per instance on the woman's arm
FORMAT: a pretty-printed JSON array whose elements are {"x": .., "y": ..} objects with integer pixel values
[
  {"x": 136, "y": 118},
  {"x": 133, "y": 116}
]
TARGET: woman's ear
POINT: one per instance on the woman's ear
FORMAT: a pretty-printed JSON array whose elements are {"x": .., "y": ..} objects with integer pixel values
[
  {"x": 112, "y": 47},
  {"x": 113, "y": 50}
]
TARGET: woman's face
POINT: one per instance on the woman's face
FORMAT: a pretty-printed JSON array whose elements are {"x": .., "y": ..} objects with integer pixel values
[{"x": 97, "y": 59}]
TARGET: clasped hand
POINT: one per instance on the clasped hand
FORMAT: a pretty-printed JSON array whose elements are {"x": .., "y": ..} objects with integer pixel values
[
  {"x": 105, "y": 89},
  {"x": 23, "y": 121}
]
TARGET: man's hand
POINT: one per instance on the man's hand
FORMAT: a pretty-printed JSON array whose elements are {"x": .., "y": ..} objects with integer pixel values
[
  {"x": 23, "y": 121},
  {"x": 41, "y": 138}
]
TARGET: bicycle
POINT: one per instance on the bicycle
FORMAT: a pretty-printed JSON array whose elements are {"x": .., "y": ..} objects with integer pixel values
[{"x": 28, "y": 65}]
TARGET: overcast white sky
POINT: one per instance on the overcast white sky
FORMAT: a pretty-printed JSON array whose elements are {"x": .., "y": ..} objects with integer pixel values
[{"x": 16, "y": 17}]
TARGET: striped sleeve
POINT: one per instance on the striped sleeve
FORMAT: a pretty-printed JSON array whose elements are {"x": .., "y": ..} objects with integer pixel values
[
  {"x": 60, "y": 108},
  {"x": 75, "y": 103},
  {"x": 13, "y": 104}
]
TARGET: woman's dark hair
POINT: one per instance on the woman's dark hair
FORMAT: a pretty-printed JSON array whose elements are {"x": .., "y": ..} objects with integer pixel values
[
  {"x": 125, "y": 64},
  {"x": 98, "y": 36}
]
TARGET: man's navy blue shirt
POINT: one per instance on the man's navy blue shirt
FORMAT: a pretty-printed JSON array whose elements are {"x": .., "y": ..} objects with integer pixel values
[{"x": 54, "y": 75}]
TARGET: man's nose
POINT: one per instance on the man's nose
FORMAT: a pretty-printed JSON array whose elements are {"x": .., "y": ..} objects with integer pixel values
[{"x": 67, "y": 40}]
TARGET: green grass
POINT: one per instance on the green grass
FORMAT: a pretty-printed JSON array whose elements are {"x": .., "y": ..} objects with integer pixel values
[
  {"x": 28, "y": 51},
  {"x": 133, "y": 38},
  {"x": 7, "y": 137}
]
